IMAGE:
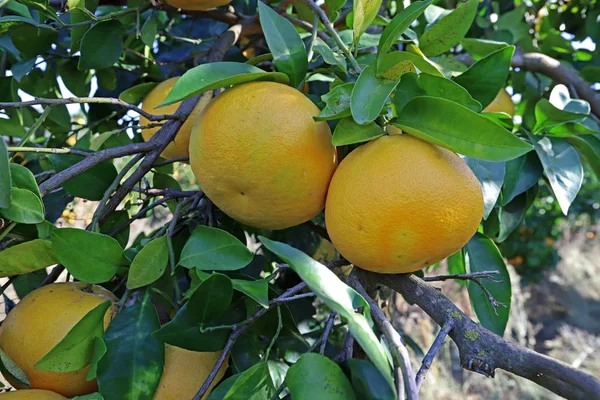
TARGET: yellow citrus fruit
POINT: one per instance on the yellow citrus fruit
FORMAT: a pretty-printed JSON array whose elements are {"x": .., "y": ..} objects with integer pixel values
[
  {"x": 185, "y": 371},
  {"x": 39, "y": 322},
  {"x": 393, "y": 130},
  {"x": 502, "y": 103},
  {"x": 31, "y": 394},
  {"x": 197, "y": 4},
  {"x": 179, "y": 147},
  {"x": 398, "y": 204},
  {"x": 261, "y": 158}
]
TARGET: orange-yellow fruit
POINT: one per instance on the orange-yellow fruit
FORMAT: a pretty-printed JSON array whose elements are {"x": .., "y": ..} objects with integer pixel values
[
  {"x": 31, "y": 394},
  {"x": 179, "y": 147},
  {"x": 502, "y": 103},
  {"x": 261, "y": 158},
  {"x": 398, "y": 204},
  {"x": 197, "y": 4},
  {"x": 185, "y": 371},
  {"x": 39, "y": 322}
]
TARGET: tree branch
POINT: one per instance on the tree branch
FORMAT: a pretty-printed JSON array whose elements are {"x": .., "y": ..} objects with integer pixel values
[
  {"x": 433, "y": 350},
  {"x": 482, "y": 351}
]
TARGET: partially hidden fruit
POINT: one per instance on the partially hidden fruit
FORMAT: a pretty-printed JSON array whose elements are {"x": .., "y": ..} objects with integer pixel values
[
  {"x": 180, "y": 145},
  {"x": 502, "y": 103},
  {"x": 31, "y": 394},
  {"x": 197, "y": 4},
  {"x": 398, "y": 204},
  {"x": 39, "y": 322},
  {"x": 185, "y": 371},
  {"x": 261, "y": 158}
]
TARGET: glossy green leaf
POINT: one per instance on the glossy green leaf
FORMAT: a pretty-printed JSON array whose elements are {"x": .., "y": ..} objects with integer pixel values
[
  {"x": 511, "y": 214},
  {"x": 22, "y": 178},
  {"x": 149, "y": 30},
  {"x": 149, "y": 264},
  {"x": 349, "y": 132},
  {"x": 397, "y": 26},
  {"x": 253, "y": 384},
  {"x": 367, "y": 382},
  {"x": 450, "y": 30},
  {"x": 487, "y": 77},
  {"x": 214, "y": 249},
  {"x": 284, "y": 43},
  {"x": 75, "y": 350},
  {"x": 27, "y": 257},
  {"x": 337, "y": 103},
  {"x": 491, "y": 176},
  {"x": 11, "y": 21},
  {"x": 562, "y": 167},
  {"x": 211, "y": 299},
  {"x": 102, "y": 45},
  {"x": 548, "y": 116},
  {"x": 32, "y": 40},
  {"x": 329, "y": 56},
  {"x": 25, "y": 207},
  {"x": 481, "y": 48},
  {"x": 389, "y": 60},
  {"x": 459, "y": 129},
  {"x": 483, "y": 255},
  {"x": 133, "y": 363},
  {"x": 339, "y": 297},
  {"x": 216, "y": 75},
  {"x": 97, "y": 353},
  {"x": 256, "y": 290},
  {"x": 521, "y": 174},
  {"x": 11, "y": 369},
  {"x": 456, "y": 264},
  {"x": 11, "y": 127},
  {"x": 369, "y": 96},
  {"x": 589, "y": 147},
  {"x": 5, "y": 185},
  {"x": 90, "y": 184},
  {"x": 365, "y": 12},
  {"x": 116, "y": 220},
  {"x": 88, "y": 256},
  {"x": 136, "y": 93},
  {"x": 315, "y": 376}
]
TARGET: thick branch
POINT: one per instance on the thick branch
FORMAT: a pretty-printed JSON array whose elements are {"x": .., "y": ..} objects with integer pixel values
[{"x": 481, "y": 350}]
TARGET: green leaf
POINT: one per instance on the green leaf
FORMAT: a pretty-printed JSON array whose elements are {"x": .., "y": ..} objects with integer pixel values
[
  {"x": 389, "y": 60},
  {"x": 589, "y": 147},
  {"x": 27, "y": 257},
  {"x": 257, "y": 290},
  {"x": 487, "y": 77},
  {"x": 149, "y": 264},
  {"x": 133, "y": 363},
  {"x": 22, "y": 178},
  {"x": 78, "y": 82},
  {"x": 562, "y": 166},
  {"x": 90, "y": 257},
  {"x": 115, "y": 220},
  {"x": 397, "y": 26},
  {"x": 450, "y": 30},
  {"x": 90, "y": 184},
  {"x": 337, "y": 103},
  {"x": 481, "y": 48},
  {"x": 491, "y": 176},
  {"x": 369, "y": 95},
  {"x": 365, "y": 12},
  {"x": 25, "y": 207},
  {"x": 136, "y": 93},
  {"x": 148, "y": 32},
  {"x": 521, "y": 174},
  {"x": 75, "y": 350},
  {"x": 253, "y": 384},
  {"x": 315, "y": 376},
  {"x": 32, "y": 40},
  {"x": 510, "y": 215},
  {"x": 411, "y": 86},
  {"x": 216, "y": 75},
  {"x": 459, "y": 129},
  {"x": 9, "y": 368},
  {"x": 548, "y": 116},
  {"x": 11, "y": 127},
  {"x": 102, "y": 45},
  {"x": 11, "y": 21},
  {"x": 284, "y": 43},
  {"x": 97, "y": 354},
  {"x": 329, "y": 56},
  {"x": 5, "y": 185},
  {"x": 211, "y": 299},
  {"x": 339, "y": 297},
  {"x": 349, "y": 132},
  {"x": 367, "y": 382},
  {"x": 456, "y": 264},
  {"x": 214, "y": 249}
]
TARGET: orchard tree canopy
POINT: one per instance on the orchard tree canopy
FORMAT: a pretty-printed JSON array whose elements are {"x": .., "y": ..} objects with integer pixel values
[{"x": 251, "y": 179}]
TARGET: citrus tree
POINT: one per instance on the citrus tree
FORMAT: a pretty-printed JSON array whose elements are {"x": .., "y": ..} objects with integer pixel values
[{"x": 256, "y": 172}]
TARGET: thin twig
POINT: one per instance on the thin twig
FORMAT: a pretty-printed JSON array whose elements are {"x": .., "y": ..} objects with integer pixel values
[
  {"x": 327, "y": 331},
  {"x": 296, "y": 297},
  {"x": 171, "y": 161},
  {"x": 471, "y": 276},
  {"x": 433, "y": 350},
  {"x": 44, "y": 150},
  {"x": 34, "y": 127}
]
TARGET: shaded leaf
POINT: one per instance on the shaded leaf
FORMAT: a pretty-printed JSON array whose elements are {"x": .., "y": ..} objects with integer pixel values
[
  {"x": 367, "y": 382},
  {"x": 337, "y": 103},
  {"x": 349, "y": 132},
  {"x": 136, "y": 93},
  {"x": 315, "y": 376},
  {"x": 253, "y": 384},
  {"x": 102, "y": 45},
  {"x": 521, "y": 174},
  {"x": 257, "y": 290},
  {"x": 491, "y": 176},
  {"x": 149, "y": 264},
  {"x": 481, "y": 48},
  {"x": 90, "y": 184},
  {"x": 589, "y": 147},
  {"x": 9, "y": 368}
]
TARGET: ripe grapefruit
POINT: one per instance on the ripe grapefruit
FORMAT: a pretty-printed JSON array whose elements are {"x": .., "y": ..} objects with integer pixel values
[
  {"x": 31, "y": 394},
  {"x": 502, "y": 103}
]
